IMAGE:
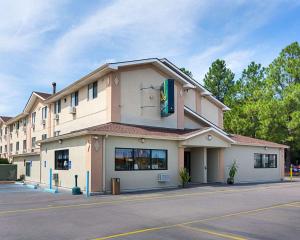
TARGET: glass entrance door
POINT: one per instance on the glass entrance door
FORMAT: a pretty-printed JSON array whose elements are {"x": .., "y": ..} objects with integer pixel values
[{"x": 187, "y": 162}]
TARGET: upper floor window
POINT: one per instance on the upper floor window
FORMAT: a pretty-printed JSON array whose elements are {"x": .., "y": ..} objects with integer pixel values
[
  {"x": 0, "y": 149},
  {"x": 74, "y": 99},
  {"x": 17, "y": 146},
  {"x": 44, "y": 112},
  {"x": 17, "y": 125},
  {"x": 33, "y": 140},
  {"x": 265, "y": 160},
  {"x": 5, "y": 130},
  {"x": 92, "y": 90},
  {"x": 57, "y": 107},
  {"x": 1, "y": 132},
  {"x": 33, "y": 118},
  {"x": 24, "y": 144},
  {"x": 44, "y": 136},
  {"x": 5, "y": 148},
  {"x": 11, "y": 147},
  {"x": 11, "y": 128}
]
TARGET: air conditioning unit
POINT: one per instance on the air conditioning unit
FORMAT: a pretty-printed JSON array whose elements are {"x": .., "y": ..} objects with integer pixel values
[
  {"x": 56, "y": 117},
  {"x": 43, "y": 122},
  {"x": 162, "y": 177},
  {"x": 72, "y": 110}
]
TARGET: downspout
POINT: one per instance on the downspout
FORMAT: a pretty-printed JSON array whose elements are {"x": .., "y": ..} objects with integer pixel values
[{"x": 103, "y": 164}]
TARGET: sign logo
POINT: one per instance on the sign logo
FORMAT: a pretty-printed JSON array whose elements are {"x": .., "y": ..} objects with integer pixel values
[{"x": 167, "y": 98}]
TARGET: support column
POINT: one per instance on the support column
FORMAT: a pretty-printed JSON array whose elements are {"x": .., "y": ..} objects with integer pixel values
[
  {"x": 281, "y": 163},
  {"x": 180, "y": 158},
  {"x": 221, "y": 169},
  {"x": 204, "y": 180}
]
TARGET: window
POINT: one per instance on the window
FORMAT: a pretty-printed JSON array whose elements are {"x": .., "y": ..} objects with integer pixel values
[
  {"x": 5, "y": 148},
  {"x": 57, "y": 107},
  {"x": 17, "y": 125},
  {"x": 265, "y": 160},
  {"x": 17, "y": 146},
  {"x": 44, "y": 112},
  {"x": 11, "y": 128},
  {"x": 56, "y": 133},
  {"x": 27, "y": 171},
  {"x": 44, "y": 136},
  {"x": 74, "y": 99},
  {"x": 62, "y": 160},
  {"x": 5, "y": 130},
  {"x": 127, "y": 159},
  {"x": 92, "y": 90},
  {"x": 0, "y": 149},
  {"x": 11, "y": 147},
  {"x": 24, "y": 144},
  {"x": 33, "y": 118},
  {"x": 33, "y": 140},
  {"x": 159, "y": 159}
]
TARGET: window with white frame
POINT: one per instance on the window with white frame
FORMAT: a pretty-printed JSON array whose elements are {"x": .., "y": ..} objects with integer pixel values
[
  {"x": 33, "y": 141},
  {"x": 57, "y": 107},
  {"x": 265, "y": 160},
  {"x": 44, "y": 112},
  {"x": 74, "y": 99},
  {"x": 92, "y": 90},
  {"x": 33, "y": 118}
]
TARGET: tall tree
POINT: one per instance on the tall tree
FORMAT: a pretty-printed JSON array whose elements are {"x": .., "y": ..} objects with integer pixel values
[
  {"x": 219, "y": 80},
  {"x": 246, "y": 102},
  {"x": 186, "y": 71},
  {"x": 285, "y": 69}
]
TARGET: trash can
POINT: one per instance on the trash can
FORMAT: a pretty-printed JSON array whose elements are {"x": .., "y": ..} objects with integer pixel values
[{"x": 115, "y": 186}]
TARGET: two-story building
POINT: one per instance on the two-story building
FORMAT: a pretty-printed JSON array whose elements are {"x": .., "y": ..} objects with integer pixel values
[{"x": 140, "y": 121}]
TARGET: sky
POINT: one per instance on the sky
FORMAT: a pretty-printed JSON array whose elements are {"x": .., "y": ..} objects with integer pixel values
[{"x": 60, "y": 41}]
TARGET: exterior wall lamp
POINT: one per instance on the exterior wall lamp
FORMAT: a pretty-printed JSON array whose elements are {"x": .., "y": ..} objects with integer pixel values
[{"x": 209, "y": 137}]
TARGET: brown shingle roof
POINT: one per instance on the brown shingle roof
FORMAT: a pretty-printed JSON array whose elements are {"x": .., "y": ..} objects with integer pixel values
[
  {"x": 43, "y": 95},
  {"x": 243, "y": 140},
  {"x": 5, "y": 119},
  {"x": 131, "y": 129}
]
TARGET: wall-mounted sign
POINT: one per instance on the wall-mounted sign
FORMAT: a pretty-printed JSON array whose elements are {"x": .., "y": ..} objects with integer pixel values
[{"x": 167, "y": 98}]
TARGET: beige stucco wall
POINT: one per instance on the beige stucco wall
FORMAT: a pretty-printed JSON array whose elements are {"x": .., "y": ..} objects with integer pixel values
[
  {"x": 190, "y": 99},
  {"x": 34, "y": 170},
  {"x": 134, "y": 101},
  {"x": 202, "y": 140},
  {"x": 244, "y": 156},
  {"x": 191, "y": 123},
  {"x": 77, "y": 154},
  {"x": 147, "y": 179},
  {"x": 88, "y": 112},
  {"x": 210, "y": 111},
  {"x": 212, "y": 165}
]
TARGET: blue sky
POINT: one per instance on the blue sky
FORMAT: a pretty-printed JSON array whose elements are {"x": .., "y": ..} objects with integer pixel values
[{"x": 45, "y": 41}]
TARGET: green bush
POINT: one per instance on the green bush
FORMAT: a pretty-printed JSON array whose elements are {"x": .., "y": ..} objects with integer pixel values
[
  {"x": 232, "y": 172},
  {"x": 4, "y": 161},
  {"x": 185, "y": 177}
]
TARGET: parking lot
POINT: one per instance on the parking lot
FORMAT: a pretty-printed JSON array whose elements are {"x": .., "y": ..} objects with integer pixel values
[{"x": 262, "y": 211}]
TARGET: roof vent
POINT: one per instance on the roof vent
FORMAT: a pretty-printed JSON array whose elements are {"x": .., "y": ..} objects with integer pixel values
[{"x": 54, "y": 87}]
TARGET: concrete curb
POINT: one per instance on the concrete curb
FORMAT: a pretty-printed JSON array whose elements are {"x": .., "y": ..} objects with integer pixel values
[{"x": 51, "y": 190}]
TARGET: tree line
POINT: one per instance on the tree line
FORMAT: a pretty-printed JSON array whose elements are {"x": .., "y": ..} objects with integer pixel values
[{"x": 264, "y": 101}]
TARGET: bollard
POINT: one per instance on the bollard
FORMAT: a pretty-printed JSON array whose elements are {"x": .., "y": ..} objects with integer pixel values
[
  {"x": 291, "y": 173},
  {"x": 76, "y": 190},
  {"x": 87, "y": 183},
  {"x": 50, "y": 178}
]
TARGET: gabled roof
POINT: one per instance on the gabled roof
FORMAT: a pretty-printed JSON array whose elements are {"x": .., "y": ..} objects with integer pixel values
[
  {"x": 203, "y": 119},
  {"x": 249, "y": 141},
  {"x": 5, "y": 118},
  {"x": 32, "y": 99},
  {"x": 204, "y": 91}
]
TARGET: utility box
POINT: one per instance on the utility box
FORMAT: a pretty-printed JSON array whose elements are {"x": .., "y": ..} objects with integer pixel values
[
  {"x": 55, "y": 178},
  {"x": 115, "y": 186}
]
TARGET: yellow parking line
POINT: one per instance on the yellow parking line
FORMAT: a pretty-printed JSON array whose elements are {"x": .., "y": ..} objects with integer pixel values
[
  {"x": 135, "y": 199},
  {"x": 194, "y": 221},
  {"x": 218, "y": 234}
]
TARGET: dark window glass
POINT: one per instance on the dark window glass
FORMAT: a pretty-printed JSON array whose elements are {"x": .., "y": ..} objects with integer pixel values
[
  {"x": 127, "y": 159},
  {"x": 123, "y": 159},
  {"x": 28, "y": 166},
  {"x": 74, "y": 99},
  {"x": 265, "y": 160},
  {"x": 62, "y": 160},
  {"x": 142, "y": 160},
  {"x": 159, "y": 159},
  {"x": 57, "y": 107}
]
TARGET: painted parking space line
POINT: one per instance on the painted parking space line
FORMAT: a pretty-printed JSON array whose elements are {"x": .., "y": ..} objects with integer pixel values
[
  {"x": 139, "y": 231},
  {"x": 133, "y": 199},
  {"x": 214, "y": 233}
]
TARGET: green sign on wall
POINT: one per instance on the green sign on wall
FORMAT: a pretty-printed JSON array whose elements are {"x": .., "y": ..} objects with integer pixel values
[{"x": 167, "y": 98}]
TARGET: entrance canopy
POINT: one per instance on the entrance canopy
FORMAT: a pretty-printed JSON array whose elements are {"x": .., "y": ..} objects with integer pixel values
[{"x": 208, "y": 137}]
